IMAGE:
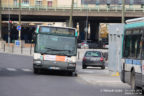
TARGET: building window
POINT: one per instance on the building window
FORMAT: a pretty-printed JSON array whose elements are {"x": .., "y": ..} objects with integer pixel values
[
  {"x": 108, "y": 3},
  {"x": 142, "y": 4},
  {"x": 38, "y": 3},
  {"x": 131, "y": 2},
  {"x": 49, "y": 3},
  {"x": 25, "y": 2},
  {"x": 120, "y": 2},
  {"x": 15, "y": 2},
  {"x": 97, "y": 2}
]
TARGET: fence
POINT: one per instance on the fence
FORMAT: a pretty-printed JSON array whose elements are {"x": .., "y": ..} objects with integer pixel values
[{"x": 27, "y": 49}]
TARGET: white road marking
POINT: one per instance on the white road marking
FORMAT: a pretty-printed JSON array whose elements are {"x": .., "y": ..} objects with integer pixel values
[
  {"x": 26, "y": 70},
  {"x": 86, "y": 71},
  {"x": 11, "y": 69}
]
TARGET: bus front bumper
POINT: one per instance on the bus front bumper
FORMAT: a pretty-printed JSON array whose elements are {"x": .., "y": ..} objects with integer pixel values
[{"x": 54, "y": 65}]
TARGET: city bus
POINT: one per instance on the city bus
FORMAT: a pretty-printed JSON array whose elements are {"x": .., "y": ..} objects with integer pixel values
[
  {"x": 55, "y": 49},
  {"x": 133, "y": 53}
]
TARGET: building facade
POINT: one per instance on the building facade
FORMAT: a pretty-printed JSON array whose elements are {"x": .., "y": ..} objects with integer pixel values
[
  {"x": 77, "y": 3},
  {"x": 32, "y": 3}
]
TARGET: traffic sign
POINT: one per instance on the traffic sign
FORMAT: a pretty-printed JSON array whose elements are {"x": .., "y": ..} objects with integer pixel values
[
  {"x": 17, "y": 42},
  {"x": 18, "y": 28}
]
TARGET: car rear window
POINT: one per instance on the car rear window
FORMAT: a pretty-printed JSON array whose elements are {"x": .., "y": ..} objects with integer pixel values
[{"x": 93, "y": 54}]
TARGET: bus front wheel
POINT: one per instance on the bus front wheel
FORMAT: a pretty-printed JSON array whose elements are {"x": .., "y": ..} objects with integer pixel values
[
  {"x": 133, "y": 82},
  {"x": 36, "y": 70}
]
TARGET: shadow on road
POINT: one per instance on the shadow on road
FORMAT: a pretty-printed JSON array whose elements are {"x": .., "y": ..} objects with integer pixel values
[
  {"x": 19, "y": 73},
  {"x": 56, "y": 73}
]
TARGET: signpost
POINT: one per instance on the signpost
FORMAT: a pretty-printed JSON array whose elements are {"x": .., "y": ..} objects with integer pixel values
[
  {"x": 18, "y": 28},
  {"x": 17, "y": 42}
]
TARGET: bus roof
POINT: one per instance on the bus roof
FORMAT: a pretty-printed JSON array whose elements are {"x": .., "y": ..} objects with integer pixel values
[
  {"x": 134, "y": 25},
  {"x": 135, "y": 20},
  {"x": 55, "y": 26}
]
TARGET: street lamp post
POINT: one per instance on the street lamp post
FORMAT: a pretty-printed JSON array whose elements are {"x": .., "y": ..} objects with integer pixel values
[
  {"x": 123, "y": 11},
  {"x": 19, "y": 19},
  {"x": 71, "y": 13},
  {"x": 9, "y": 26},
  {"x": 86, "y": 28},
  {"x": 0, "y": 19}
]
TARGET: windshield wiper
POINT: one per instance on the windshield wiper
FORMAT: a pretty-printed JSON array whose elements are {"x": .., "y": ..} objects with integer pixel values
[{"x": 57, "y": 49}]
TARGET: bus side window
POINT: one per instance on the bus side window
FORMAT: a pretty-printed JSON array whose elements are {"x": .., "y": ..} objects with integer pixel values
[
  {"x": 138, "y": 46},
  {"x": 133, "y": 46},
  {"x": 142, "y": 49},
  {"x": 126, "y": 46}
]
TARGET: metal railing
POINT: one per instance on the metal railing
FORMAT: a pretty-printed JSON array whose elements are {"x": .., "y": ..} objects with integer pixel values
[
  {"x": 114, "y": 8},
  {"x": 27, "y": 49}
]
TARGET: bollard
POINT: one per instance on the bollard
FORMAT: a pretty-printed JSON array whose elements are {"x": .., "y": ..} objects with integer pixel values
[
  {"x": 21, "y": 49},
  {"x": 4, "y": 47},
  {"x": 12, "y": 48},
  {"x": 78, "y": 54},
  {"x": 31, "y": 49}
]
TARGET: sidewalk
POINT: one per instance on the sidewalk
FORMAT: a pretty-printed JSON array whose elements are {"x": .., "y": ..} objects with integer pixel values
[{"x": 102, "y": 77}]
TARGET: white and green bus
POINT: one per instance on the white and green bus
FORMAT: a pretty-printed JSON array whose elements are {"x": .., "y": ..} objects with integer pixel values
[
  {"x": 133, "y": 53},
  {"x": 55, "y": 49}
]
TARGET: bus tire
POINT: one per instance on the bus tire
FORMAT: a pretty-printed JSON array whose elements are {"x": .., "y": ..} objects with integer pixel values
[
  {"x": 36, "y": 71},
  {"x": 122, "y": 76},
  {"x": 133, "y": 82}
]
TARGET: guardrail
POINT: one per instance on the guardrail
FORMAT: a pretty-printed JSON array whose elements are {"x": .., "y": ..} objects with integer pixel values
[
  {"x": 27, "y": 49},
  {"x": 96, "y": 8}
]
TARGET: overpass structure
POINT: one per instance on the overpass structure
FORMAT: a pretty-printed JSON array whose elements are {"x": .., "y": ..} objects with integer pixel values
[{"x": 96, "y": 15}]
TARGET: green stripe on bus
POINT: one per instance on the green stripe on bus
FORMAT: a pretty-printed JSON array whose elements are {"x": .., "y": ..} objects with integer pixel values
[
  {"x": 76, "y": 33},
  {"x": 37, "y": 30},
  {"x": 134, "y": 25}
]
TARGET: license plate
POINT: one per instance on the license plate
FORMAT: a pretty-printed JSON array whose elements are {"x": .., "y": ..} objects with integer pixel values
[
  {"x": 55, "y": 68},
  {"x": 94, "y": 59}
]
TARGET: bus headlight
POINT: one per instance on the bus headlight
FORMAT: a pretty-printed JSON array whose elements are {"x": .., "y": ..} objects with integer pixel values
[
  {"x": 37, "y": 56},
  {"x": 37, "y": 62},
  {"x": 73, "y": 59}
]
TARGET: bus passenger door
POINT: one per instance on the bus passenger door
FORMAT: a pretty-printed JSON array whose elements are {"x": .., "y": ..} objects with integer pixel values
[
  {"x": 143, "y": 72},
  {"x": 142, "y": 62}
]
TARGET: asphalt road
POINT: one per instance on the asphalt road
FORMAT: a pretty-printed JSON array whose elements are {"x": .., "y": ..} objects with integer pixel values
[{"x": 17, "y": 79}]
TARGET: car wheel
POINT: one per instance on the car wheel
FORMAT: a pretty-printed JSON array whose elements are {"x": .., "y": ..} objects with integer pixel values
[{"x": 103, "y": 67}]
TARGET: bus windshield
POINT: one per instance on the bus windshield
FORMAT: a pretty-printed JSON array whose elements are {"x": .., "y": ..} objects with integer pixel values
[{"x": 57, "y": 45}]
